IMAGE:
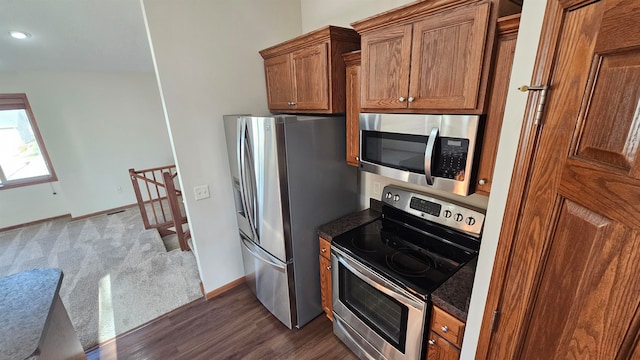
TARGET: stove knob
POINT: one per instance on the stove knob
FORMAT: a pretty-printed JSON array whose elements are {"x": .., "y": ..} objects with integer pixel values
[
  {"x": 458, "y": 217},
  {"x": 447, "y": 213},
  {"x": 470, "y": 221},
  {"x": 388, "y": 195},
  {"x": 396, "y": 197}
]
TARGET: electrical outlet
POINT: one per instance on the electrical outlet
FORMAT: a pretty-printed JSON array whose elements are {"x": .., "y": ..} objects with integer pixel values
[{"x": 201, "y": 192}]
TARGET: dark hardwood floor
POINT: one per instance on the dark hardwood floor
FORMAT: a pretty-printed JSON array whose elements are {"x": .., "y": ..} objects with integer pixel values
[{"x": 233, "y": 325}]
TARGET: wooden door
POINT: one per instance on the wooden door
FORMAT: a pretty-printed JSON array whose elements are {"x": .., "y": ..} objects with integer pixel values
[
  {"x": 447, "y": 58},
  {"x": 325, "y": 287},
  {"x": 572, "y": 282},
  {"x": 352, "y": 115},
  {"x": 311, "y": 83},
  {"x": 279, "y": 82},
  {"x": 386, "y": 57}
]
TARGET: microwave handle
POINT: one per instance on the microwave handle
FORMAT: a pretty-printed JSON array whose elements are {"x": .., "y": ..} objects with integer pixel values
[{"x": 428, "y": 155}]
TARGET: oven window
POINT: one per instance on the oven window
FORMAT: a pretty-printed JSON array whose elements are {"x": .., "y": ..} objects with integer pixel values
[{"x": 383, "y": 314}]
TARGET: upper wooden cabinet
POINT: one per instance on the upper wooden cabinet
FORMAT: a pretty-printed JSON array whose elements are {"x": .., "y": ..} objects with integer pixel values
[
  {"x": 307, "y": 74},
  {"x": 498, "y": 88},
  {"x": 352, "y": 61},
  {"x": 428, "y": 56}
]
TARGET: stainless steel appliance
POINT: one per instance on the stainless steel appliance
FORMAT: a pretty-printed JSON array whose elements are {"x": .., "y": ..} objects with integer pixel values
[
  {"x": 430, "y": 150},
  {"x": 289, "y": 176},
  {"x": 384, "y": 272}
]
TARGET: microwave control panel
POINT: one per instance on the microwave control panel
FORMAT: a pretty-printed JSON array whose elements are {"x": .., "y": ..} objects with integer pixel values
[{"x": 453, "y": 159}]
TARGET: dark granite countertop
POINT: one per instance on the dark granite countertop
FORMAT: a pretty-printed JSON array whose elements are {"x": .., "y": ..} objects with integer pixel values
[
  {"x": 25, "y": 303},
  {"x": 453, "y": 296},
  {"x": 351, "y": 221}
]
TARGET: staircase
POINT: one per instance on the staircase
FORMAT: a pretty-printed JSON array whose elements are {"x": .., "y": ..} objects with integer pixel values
[{"x": 160, "y": 202}]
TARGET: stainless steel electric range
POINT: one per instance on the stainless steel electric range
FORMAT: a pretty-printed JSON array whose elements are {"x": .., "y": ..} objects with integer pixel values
[{"x": 384, "y": 272}]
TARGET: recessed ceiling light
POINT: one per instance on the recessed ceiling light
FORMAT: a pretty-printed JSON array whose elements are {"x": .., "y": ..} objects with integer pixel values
[{"x": 19, "y": 35}]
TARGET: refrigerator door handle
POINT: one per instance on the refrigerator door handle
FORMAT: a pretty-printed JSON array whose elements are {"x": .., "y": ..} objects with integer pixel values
[
  {"x": 262, "y": 255},
  {"x": 242, "y": 157},
  {"x": 253, "y": 198}
]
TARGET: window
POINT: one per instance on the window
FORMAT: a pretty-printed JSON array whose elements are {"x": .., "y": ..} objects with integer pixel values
[{"x": 23, "y": 158}]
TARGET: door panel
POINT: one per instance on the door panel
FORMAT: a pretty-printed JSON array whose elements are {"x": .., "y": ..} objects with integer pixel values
[
  {"x": 458, "y": 37},
  {"x": 386, "y": 56},
  {"x": 311, "y": 63},
  {"x": 269, "y": 221},
  {"x": 571, "y": 286},
  {"x": 610, "y": 131},
  {"x": 279, "y": 82}
]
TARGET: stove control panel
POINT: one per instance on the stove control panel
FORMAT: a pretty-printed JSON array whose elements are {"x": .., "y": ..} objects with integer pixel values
[{"x": 454, "y": 215}]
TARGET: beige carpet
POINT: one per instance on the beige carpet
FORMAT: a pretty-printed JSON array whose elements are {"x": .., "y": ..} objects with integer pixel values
[{"x": 117, "y": 275}]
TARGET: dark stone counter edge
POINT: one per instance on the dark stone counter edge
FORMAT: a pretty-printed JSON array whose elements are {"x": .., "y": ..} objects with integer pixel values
[
  {"x": 453, "y": 296},
  {"x": 351, "y": 221}
]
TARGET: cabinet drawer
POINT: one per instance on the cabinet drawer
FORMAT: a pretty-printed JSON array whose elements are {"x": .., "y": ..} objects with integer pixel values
[
  {"x": 325, "y": 248},
  {"x": 447, "y": 326}
]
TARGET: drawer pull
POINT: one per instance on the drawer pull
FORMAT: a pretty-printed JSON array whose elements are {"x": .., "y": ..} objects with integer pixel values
[
  {"x": 324, "y": 250},
  {"x": 329, "y": 267},
  {"x": 445, "y": 329},
  {"x": 431, "y": 342}
]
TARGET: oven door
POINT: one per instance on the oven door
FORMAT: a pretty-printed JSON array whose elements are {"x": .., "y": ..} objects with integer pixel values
[
  {"x": 375, "y": 318},
  {"x": 429, "y": 150}
]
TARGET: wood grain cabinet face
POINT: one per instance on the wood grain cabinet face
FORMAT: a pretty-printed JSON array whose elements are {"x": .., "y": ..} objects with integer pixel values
[
  {"x": 445, "y": 337},
  {"x": 433, "y": 63},
  {"x": 498, "y": 88},
  {"x": 307, "y": 74},
  {"x": 352, "y": 61},
  {"x": 325, "y": 278}
]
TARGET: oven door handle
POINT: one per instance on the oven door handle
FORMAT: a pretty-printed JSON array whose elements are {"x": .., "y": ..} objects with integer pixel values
[
  {"x": 428, "y": 155},
  {"x": 385, "y": 287}
]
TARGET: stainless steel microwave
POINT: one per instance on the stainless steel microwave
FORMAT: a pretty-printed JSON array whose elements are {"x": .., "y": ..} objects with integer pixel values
[{"x": 430, "y": 150}]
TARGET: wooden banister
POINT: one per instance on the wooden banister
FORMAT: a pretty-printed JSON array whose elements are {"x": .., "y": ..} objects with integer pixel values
[{"x": 155, "y": 189}]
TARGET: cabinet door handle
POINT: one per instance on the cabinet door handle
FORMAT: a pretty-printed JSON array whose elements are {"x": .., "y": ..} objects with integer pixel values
[
  {"x": 357, "y": 158},
  {"x": 445, "y": 329},
  {"x": 410, "y": 99},
  {"x": 324, "y": 250},
  {"x": 329, "y": 267},
  {"x": 432, "y": 342},
  {"x": 482, "y": 181},
  {"x": 401, "y": 99}
]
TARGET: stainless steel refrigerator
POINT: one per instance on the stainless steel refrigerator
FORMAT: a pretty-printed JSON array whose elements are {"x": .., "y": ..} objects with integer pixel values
[{"x": 289, "y": 176}]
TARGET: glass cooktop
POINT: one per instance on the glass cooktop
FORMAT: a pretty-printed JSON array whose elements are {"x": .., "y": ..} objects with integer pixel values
[{"x": 414, "y": 260}]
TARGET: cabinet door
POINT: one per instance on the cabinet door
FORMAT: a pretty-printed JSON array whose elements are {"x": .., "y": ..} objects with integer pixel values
[
  {"x": 325, "y": 287},
  {"x": 310, "y": 77},
  {"x": 440, "y": 349},
  {"x": 279, "y": 82},
  {"x": 495, "y": 109},
  {"x": 353, "y": 114},
  {"x": 386, "y": 56},
  {"x": 447, "y": 58}
]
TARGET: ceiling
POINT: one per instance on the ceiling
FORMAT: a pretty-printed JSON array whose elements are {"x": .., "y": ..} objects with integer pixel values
[{"x": 74, "y": 35}]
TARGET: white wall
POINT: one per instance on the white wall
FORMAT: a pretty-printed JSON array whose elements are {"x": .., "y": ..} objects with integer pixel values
[
  {"x": 95, "y": 127},
  {"x": 207, "y": 63}
]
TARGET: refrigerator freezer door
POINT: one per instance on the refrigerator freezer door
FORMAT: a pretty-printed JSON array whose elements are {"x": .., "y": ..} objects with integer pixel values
[{"x": 268, "y": 279}]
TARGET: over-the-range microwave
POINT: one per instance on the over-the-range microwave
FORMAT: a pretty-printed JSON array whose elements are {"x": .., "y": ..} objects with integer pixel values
[{"x": 436, "y": 151}]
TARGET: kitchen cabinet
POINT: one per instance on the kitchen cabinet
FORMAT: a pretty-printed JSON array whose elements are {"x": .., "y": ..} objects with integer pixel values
[
  {"x": 501, "y": 73},
  {"x": 445, "y": 337},
  {"x": 325, "y": 277},
  {"x": 307, "y": 74},
  {"x": 352, "y": 62},
  {"x": 427, "y": 57}
]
